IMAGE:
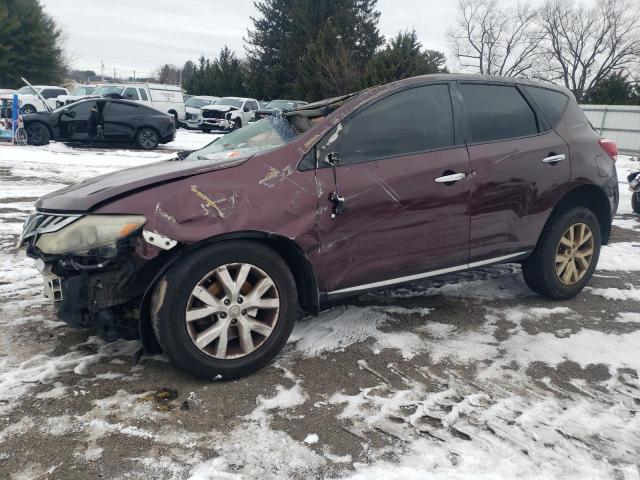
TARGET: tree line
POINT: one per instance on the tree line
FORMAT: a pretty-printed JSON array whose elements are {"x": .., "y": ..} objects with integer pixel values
[
  {"x": 312, "y": 49},
  {"x": 309, "y": 49}
]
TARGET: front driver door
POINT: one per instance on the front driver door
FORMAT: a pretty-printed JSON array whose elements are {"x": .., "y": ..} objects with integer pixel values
[
  {"x": 401, "y": 220},
  {"x": 74, "y": 121}
]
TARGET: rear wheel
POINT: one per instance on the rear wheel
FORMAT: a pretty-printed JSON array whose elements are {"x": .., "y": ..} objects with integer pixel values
[
  {"x": 38, "y": 134},
  {"x": 566, "y": 255},
  {"x": 225, "y": 311},
  {"x": 147, "y": 138}
]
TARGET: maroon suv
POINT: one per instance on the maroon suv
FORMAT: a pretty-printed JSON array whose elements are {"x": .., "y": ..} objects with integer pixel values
[{"x": 210, "y": 256}]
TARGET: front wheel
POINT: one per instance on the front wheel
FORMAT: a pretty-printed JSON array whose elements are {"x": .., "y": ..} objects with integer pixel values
[
  {"x": 147, "y": 138},
  {"x": 38, "y": 134},
  {"x": 566, "y": 255},
  {"x": 226, "y": 310}
]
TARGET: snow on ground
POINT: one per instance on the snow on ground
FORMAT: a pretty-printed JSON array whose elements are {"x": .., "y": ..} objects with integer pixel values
[{"x": 466, "y": 376}]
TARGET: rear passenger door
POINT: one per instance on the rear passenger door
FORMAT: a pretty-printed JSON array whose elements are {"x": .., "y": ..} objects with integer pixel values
[
  {"x": 121, "y": 120},
  {"x": 514, "y": 183}
]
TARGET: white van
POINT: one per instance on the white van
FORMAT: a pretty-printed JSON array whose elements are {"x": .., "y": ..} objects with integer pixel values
[{"x": 165, "y": 98}]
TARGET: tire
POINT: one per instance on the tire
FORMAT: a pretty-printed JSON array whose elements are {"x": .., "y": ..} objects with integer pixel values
[
  {"x": 147, "y": 138},
  {"x": 174, "y": 295},
  {"x": 635, "y": 202},
  {"x": 28, "y": 109},
  {"x": 38, "y": 134},
  {"x": 540, "y": 269},
  {"x": 237, "y": 123},
  {"x": 206, "y": 130}
]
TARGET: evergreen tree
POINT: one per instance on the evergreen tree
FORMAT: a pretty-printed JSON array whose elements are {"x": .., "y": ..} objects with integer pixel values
[
  {"x": 616, "y": 89},
  {"x": 292, "y": 39},
  {"x": 29, "y": 45},
  {"x": 188, "y": 70},
  {"x": 221, "y": 77},
  {"x": 229, "y": 79},
  {"x": 403, "y": 57}
]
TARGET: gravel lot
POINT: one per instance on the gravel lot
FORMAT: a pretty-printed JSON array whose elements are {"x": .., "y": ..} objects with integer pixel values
[{"x": 470, "y": 375}]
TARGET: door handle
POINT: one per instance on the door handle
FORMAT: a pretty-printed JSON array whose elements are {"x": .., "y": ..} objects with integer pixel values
[
  {"x": 554, "y": 158},
  {"x": 454, "y": 177}
]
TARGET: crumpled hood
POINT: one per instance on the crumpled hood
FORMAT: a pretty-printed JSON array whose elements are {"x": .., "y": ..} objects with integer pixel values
[
  {"x": 220, "y": 108},
  {"x": 85, "y": 196}
]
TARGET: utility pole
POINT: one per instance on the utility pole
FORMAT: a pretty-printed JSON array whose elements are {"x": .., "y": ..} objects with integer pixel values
[{"x": 102, "y": 70}]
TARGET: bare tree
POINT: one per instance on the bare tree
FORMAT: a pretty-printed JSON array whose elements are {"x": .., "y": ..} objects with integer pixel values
[
  {"x": 492, "y": 41},
  {"x": 586, "y": 45}
]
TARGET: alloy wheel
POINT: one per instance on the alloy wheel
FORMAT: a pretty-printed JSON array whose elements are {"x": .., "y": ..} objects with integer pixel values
[
  {"x": 574, "y": 253},
  {"x": 148, "y": 138},
  {"x": 232, "y": 311}
]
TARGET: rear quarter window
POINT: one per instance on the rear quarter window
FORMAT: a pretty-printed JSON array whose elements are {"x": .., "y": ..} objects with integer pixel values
[
  {"x": 550, "y": 102},
  {"x": 497, "y": 112}
]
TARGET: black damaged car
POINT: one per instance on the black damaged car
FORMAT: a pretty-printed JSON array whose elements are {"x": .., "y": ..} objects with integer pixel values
[{"x": 101, "y": 121}]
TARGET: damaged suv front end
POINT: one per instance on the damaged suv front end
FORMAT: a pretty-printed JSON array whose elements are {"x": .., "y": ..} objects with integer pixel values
[
  {"x": 91, "y": 268},
  {"x": 101, "y": 245}
]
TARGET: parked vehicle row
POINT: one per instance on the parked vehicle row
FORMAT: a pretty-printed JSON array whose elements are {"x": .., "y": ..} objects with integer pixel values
[{"x": 211, "y": 255}]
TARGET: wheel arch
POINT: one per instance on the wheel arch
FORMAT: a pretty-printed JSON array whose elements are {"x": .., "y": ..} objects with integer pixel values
[
  {"x": 287, "y": 249},
  {"x": 591, "y": 197}
]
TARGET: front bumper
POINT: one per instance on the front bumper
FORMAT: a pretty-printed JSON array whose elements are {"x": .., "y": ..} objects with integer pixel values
[{"x": 220, "y": 124}]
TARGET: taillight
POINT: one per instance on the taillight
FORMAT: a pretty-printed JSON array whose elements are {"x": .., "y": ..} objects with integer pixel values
[{"x": 610, "y": 147}]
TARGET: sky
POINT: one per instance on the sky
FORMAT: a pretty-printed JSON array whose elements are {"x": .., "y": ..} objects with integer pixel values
[{"x": 142, "y": 35}]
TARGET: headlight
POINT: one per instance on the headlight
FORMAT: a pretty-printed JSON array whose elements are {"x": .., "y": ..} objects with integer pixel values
[{"x": 88, "y": 233}]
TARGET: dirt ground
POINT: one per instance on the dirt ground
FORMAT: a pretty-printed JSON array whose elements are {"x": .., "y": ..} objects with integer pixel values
[{"x": 469, "y": 375}]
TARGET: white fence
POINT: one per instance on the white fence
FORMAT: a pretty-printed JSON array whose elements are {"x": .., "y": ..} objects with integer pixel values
[{"x": 620, "y": 123}]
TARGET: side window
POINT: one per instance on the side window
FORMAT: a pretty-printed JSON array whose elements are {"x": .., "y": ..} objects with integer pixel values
[
  {"x": 48, "y": 93},
  {"x": 82, "y": 109},
  {"x": 117, "y": 109},
  {"x": 143, "y": 94},
  {"x": 253, "y": 105},
  {"x": 411, "y": 121},
  {"x": 551, "y": 102},
  {"x": 131, "y": 93},
  {"x": 497, "y": 112}
]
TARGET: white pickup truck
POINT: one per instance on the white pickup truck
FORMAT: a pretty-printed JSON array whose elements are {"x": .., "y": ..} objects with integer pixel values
[
  {"x": 227, "y": 114},
  {"x": 32, "y": 103}
]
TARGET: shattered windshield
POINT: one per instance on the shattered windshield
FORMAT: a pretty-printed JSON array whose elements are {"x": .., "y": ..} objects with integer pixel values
[{"x": 256, "y": 137}]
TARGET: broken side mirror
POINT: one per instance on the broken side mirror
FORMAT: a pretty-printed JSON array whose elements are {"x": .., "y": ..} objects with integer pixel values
[{"x": 332, "y": 159}]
